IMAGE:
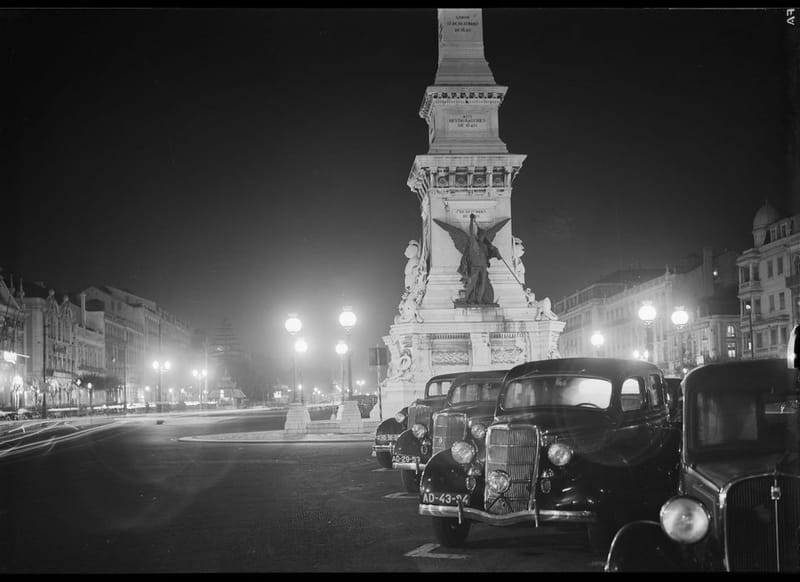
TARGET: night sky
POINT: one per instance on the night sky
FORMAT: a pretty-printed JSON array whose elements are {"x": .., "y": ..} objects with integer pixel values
[{"x": 245, "y": 163}]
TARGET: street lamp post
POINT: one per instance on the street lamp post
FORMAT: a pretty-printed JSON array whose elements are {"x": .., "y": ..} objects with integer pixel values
[
  {"x": 342, "y": 349},
  {"x": 647, "y": 313},
  {"x": 300, "y": 347},
  {"x": 597, "y": 340},
  {"x": 749, "y": 307},
  {"x": 160, "y": 367},
  {"x": 347, "y": 319},
  {"x": 293, "y": 325},
  {"x": 202, "y": 383},
  {"x": 680, "y": 318}
]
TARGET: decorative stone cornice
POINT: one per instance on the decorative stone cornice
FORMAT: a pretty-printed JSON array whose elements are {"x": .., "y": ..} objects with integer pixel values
[{"x": 457, "y": 95}]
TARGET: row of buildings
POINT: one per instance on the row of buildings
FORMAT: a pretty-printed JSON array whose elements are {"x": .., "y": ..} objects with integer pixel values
[
  {"x": 711, "y": 307},
  {"x": 98, "y": 347}
]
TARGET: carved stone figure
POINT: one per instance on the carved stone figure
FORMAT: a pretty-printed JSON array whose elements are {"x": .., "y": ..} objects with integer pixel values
[
  {"x": 476, "y": 249},
  {"x": 545, "y": 310},
  {"x": 519, "y": 267},
  {"x": 412, "y": 252}
]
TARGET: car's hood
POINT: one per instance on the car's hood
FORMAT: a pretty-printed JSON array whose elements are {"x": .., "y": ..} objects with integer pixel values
[
  {"x": 473, "y": 409},
  {"x": 722, "y": 472},
  {"x": 557, "y": 419},
  {"x": 432, "y": 401}
]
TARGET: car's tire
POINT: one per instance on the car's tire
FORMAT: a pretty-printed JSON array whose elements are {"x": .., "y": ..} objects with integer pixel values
[
  {"x": 449, "y": 532},
  {"x": 600, "y": 535},
  {"x": 384, "y": 459},
  {"x": 410, "y": 480}
]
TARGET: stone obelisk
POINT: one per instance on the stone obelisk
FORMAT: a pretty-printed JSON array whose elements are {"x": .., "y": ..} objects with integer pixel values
[{"x": 463, "y": 184}]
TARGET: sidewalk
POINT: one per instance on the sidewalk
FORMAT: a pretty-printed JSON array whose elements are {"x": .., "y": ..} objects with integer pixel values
[{"x": 280, "y": 436}]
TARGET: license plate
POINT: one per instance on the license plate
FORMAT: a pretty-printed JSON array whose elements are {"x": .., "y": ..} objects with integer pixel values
[
  {"x": 446, "y": 498},
  {"x": 404, "y": 459}
]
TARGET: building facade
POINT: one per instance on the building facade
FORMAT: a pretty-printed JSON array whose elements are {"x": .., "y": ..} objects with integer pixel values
[
  {"x": 604, "y": 319},
  {"x": 769, "y": 284}
]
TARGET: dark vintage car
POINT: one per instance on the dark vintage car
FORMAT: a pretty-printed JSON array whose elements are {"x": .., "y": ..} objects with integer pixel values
[
  {"x": 584, "y": 441},
  {"x": 737, "y": 506},
  {"x": 389, "y": 430},
  {"x": 471, "y": 398}
]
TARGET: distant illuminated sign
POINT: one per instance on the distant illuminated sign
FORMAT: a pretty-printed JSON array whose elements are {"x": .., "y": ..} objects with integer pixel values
[{"x": 9, "y": 357}]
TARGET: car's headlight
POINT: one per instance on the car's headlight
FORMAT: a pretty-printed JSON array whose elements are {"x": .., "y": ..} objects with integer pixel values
[
  {"x": 498, "y": 481},
  {"x": 462, "y": 451},
  {"x": 400, "y": 417},
  {"x": 419, "y": 430},
  {"x": 684, "y": 520},
  {"x": 478, "y": 430},
  {"x": 559, "y": 454}
]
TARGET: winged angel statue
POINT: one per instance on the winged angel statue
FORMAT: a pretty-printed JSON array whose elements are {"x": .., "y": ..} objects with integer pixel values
[{"x": 476, "y": 249}]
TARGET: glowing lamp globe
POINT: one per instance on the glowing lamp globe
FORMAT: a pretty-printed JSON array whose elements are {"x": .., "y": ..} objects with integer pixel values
[
  {"x": 647, "y": 313},
  {"x": 680, "y": 317},
  {"x": 293, "y": 324},
  {"x": 347, "y": 318}
]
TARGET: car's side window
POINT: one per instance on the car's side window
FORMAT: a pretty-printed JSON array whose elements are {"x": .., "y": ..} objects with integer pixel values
[
  {"x": 655, "y": 391},
  {"x": 631, "y": 394}
]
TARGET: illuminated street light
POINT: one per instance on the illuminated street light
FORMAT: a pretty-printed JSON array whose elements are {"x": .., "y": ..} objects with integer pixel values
[
  {"x": 647, "y": 313},
  {"x": 347, "y": 319},
  {"x": 597, "y": 340},
  {"x": 749, "y": 308},
  {"x": 202, "y": 388},
  {"x": 293, "y": 326},
  {"x": 160, "y": 367},
  {"x": 679, "y": 318}
]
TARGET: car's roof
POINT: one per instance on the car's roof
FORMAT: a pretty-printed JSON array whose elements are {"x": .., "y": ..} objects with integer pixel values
[
  {"x": 604, "y": 367},
  {"x": 763, "y": 374},
  {"x": 482, "y": 375},
  {"x": 443, "y": 377}
]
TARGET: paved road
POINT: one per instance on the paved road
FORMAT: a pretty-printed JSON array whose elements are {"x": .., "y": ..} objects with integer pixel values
[{"x": 142, "y": 497}]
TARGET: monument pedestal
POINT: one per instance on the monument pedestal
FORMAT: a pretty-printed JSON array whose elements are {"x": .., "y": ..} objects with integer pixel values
[
  {"x": 297, "y": 419},
  {"x": 351, "y": 421}
]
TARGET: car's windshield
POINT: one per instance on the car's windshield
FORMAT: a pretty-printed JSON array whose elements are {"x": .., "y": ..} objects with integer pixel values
[
  {"x": 557, "y": 390},
  {"x": 475, "y": 391},
  {"x": 438, "y": 388},
  {"x": 743, "y": 422}
]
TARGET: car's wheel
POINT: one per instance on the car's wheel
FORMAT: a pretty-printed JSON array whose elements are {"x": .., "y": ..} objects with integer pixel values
[
  {"x": 384, "y": 459},
  {"x": 600, "y": 535},
  {"x": 410, "y": 480},
  {"x": 449, "y": 532}
]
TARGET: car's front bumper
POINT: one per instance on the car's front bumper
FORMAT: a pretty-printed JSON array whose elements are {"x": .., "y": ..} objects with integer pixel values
[
  {"x": 532, "y": 517},
  {"x": 410, "y": 466}
]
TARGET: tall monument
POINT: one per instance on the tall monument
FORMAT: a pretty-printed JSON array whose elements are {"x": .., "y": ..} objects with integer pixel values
[{"x": 465, "y": 305}]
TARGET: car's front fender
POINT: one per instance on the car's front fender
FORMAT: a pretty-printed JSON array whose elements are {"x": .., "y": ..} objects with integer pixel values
[
  {"x": 410, "y": 446},
  {"x": 642, "y": 546},
  {"x": 387, "y": 428},
  {"x": 442, "y": 474}
]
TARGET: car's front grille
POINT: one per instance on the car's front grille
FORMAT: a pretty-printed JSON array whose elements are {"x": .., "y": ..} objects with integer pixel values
[
  {"x": 419, "y": 414},
  {"x": 762, "y": 524},
  {"x": 447, "y": 429},
  {"x": 515, "y": 450}
]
